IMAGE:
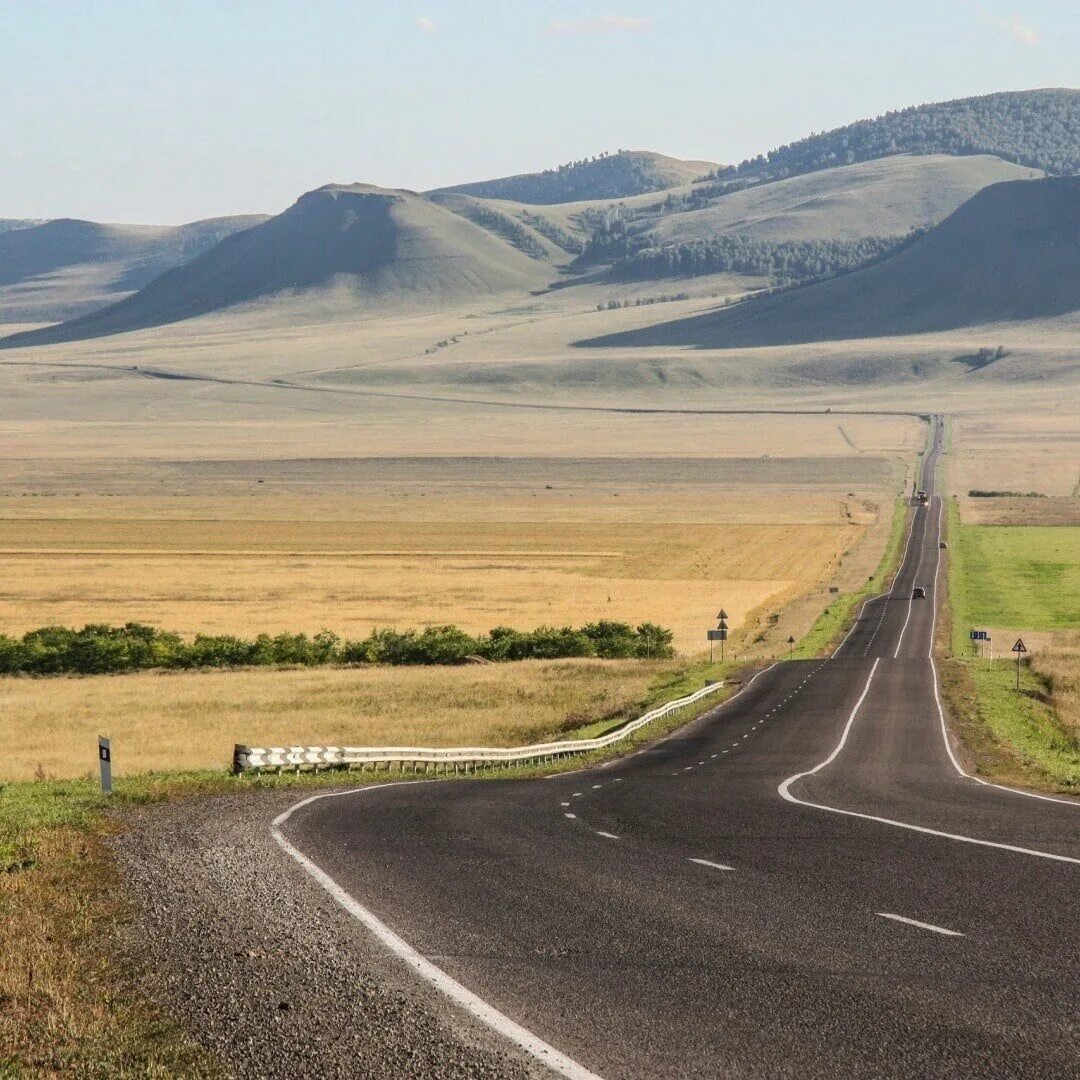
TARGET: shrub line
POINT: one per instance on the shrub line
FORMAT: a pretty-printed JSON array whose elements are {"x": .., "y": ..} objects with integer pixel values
[{"x": 100, "y": 649}]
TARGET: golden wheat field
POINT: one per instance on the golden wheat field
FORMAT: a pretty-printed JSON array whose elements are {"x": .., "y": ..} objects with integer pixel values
[
  {"x": 247, "y": 577},
  {"x": 190, "y": 720}
]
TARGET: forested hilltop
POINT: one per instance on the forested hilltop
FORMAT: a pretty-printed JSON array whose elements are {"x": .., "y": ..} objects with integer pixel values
[
  {"x": 606, "y": 176},
  {"x": 1035, "y": 128}
]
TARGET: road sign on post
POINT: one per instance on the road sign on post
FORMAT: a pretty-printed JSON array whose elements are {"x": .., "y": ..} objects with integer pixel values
[
  {"x": 1019, "y": 648},
  {"x": 790, "y": 646},
  {"x": 105, "y": 761}
]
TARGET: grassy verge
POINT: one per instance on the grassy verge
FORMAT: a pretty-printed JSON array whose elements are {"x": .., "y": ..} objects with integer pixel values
[
  {"x": 1021, "y": 579},
  {"x": 836, "y": 618}
]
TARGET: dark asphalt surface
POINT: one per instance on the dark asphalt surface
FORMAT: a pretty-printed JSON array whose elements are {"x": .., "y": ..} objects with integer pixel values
[{"x": 636, "y": 961}]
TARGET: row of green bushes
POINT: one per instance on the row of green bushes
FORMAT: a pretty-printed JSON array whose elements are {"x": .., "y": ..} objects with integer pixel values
[{"x": 99, "y": 649}]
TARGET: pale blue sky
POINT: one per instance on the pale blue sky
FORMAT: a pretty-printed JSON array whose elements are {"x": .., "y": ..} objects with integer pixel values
[{"x": 140, "y": 111}]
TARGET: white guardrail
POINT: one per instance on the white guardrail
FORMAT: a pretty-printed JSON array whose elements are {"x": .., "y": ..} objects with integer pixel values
[{"x": 467, "y": 758}]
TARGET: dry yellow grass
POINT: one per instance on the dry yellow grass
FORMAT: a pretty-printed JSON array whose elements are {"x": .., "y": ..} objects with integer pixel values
[
  {"x": 191, "y": 720},
  {"x": 234, "y": 576},
  {"x": 1058, "y": 661}
]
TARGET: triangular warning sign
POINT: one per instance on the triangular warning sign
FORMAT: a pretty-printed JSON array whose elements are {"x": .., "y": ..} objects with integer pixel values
[{"x": 1019, "y": 646}]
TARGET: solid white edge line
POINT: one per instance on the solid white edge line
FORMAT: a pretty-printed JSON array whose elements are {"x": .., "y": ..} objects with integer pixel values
[
  {"x": 713, "y": 865},
  {"x": 911, "y": 599},
  {"x": 921, "y": 925},
  {"x": 785, "y": 793},
  {"x": 532, "y": 1044},
  {"x": 886, "y": 594}
]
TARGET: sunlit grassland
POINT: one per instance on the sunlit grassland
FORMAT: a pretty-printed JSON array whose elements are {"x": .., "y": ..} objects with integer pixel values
[{"x": 1011, "y": 580}]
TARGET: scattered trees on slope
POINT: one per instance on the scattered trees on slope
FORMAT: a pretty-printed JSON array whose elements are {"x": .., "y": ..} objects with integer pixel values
[
  {"x": 1036, "y": 128},
  {"x": 605, "y": 176}
]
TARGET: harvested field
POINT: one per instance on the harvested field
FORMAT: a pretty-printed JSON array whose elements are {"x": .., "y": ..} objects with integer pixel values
[{"x": 190, "y": 720}]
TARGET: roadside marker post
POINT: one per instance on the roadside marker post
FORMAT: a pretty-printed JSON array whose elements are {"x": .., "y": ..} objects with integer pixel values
[
  {"x": 790, "y": 646},
  {"x": 105, "y": 761},
  {"x": 1019, "y": 648}
]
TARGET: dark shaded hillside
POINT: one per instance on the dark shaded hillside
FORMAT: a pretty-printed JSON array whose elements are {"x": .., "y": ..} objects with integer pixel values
[
  {"x": 608, "y": 176},
  {"x": 1012, "y": 252},
  {"x": 1036, "y": 128},
  {"x": 367, "y": 243}
]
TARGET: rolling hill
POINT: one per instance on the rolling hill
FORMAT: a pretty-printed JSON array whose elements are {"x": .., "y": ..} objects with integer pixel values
[
  {"x": 65, "y": 268},
  {"x": 608, "y": 176},
  {"x": 886, "y": 197},
  {"x": 338, "y": 249},
  {"x": 1012, "y": 252}
]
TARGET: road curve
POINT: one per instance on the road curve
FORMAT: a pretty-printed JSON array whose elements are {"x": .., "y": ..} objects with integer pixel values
[{"x": 801, "y": 883}]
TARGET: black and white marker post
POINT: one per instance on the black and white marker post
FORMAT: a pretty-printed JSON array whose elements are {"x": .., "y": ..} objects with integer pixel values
[{"x": 105, "y": 760}]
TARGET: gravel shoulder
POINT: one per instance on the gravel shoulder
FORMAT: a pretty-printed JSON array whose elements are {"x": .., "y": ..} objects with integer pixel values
[{"x": 266, "y": 971}]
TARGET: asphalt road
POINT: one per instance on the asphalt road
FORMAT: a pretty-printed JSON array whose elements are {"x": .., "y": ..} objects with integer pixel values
[{"x": 720, "y": 905}]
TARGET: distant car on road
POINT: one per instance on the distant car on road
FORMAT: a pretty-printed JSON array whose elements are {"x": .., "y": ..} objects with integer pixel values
[{"x": 918, "y": 593}]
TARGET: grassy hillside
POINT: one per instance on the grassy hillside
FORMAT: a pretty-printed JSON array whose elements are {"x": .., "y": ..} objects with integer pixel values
[
  {"x": 608, "y": 176},
  {"x": 354, "y": 245},
  {"x": 877, "y": 198},
  {"x": 1010, "y": 253},
  {"x": 1036, "y": 128},
  {"x": 66, "y": 268}
]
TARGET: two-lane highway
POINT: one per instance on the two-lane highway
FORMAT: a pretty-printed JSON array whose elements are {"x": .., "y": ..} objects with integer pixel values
[{"x": 801, "y": 883}]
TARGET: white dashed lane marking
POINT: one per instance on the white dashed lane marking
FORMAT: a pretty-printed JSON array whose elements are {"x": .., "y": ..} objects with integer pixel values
[
  {"x": 606, "y": 835},
  {"x": 712, "y": 865},
  {"x": 921, "y": 925},
  {"x": 571, "y": 816}
]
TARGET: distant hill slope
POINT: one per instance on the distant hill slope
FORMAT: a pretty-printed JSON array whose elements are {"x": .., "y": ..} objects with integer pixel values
[
  {"x": 1012, "y": 252},
  {"x": 356, "y": 245},
  {"x": 10, "y": 224},
  {"x": 1037, "y": 128},
  {"x": 65, "y": 268},
  {"x": 609, "y": 176}
]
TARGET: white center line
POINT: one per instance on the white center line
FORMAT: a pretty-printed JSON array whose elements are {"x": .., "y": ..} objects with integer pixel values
[
  {"x": 920, "y": 925},
  {"x": 713, "y": 865},
  {"x": 606, "y": 835},
  {"x": 595, "y": 786},
  {"x": 564, "y": 804},
  {"x": 572, "y": 817}
]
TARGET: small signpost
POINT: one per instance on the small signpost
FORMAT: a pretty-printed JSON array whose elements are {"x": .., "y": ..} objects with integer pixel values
[
  {"x": 719, "y": 634},
  {"x": 790, "y": 646},
  {"x": 1019, "y": 648},
  {"x": 980, "y": 636},
  {"x": 105, "y": 760}
]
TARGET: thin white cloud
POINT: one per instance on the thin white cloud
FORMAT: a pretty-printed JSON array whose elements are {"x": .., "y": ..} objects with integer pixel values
[
  {"x": 425, "y": 24},
  {"x": 604, "y": 24},
  {"x": 1014, "y": 26}
]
